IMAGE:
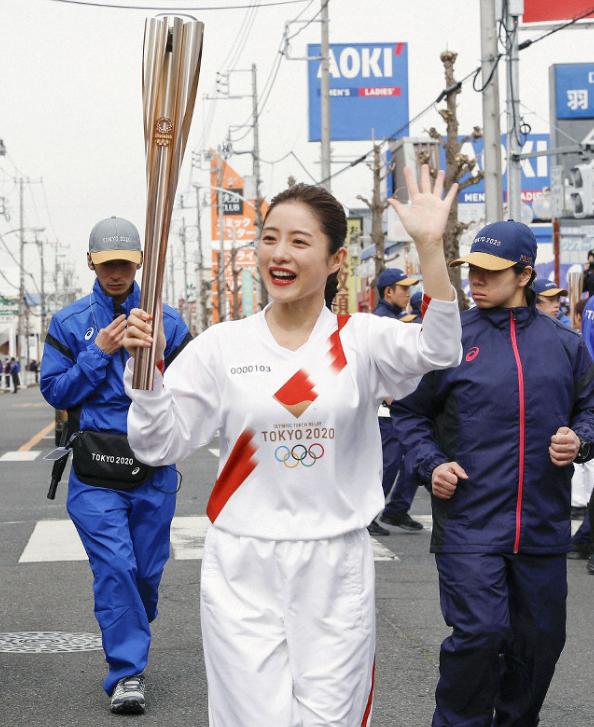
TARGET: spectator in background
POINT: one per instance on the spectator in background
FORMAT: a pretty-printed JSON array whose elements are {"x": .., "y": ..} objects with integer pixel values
[
  {"x": 34, "y": 368},
  {"x": 582, "y": 483},
  {"x": 393, "y": 286},
  {"x": 415, "y": 315},
  {"x": 6, "y": 371},
  {"x": 548, "y": 298},
  {"x": 405, "y": 485},
  {"x": 588, "y": 284},
  {"x": 15, "y": 370}
]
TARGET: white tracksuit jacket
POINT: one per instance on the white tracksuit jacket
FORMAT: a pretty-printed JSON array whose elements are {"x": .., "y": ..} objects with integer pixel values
[{"x": 300, "y": 450}]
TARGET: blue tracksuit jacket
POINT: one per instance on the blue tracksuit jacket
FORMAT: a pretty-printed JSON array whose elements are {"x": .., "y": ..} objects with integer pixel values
[
  {"x": 385, "y": 309},
  {"x": 74, "y": 371},
  {"x": 125, "y": 534},
  {"x": 522, "y": 376}
]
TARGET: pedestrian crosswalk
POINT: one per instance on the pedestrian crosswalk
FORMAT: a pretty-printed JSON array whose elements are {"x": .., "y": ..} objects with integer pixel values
[
  {"x": 20, "y": 456},
  {"x": 58, "y": 541}
]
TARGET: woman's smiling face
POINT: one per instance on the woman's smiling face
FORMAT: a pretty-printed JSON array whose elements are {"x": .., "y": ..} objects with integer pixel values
[{"x": 293, "y": 254}]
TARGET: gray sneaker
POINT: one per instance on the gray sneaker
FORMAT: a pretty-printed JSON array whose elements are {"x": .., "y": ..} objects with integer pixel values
[{"x": 128, "y": 696}]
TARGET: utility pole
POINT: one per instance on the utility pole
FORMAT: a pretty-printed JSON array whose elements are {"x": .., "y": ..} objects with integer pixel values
[
  {"x": 377, "y": 206},
  {"x": 40, "y": 245},
  {"x": 491, "y": 126},
  {"x": 325, "y": 97},
  {"x": 21, "y": 307},
  {"x": 221, "y": 256},
  {"x": 235, "y": 276},
  {"x": 182, "y": 235},
  {"x": 172, "y": 278},
  {"x": 256, "y": 173},
  {"x": 515, "y": 8},
  {"x": 202, "y": 310}
]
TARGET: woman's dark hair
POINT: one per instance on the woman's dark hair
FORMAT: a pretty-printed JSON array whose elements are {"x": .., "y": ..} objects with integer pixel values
[{"x": 330, "y": 215}]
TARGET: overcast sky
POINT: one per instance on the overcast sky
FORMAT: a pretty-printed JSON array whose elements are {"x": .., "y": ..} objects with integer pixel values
[{"x": 71, "y": 106}]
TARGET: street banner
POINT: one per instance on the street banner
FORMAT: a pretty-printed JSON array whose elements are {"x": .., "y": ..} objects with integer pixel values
[
  {"x": 354, "y": 234},
  {"x": 368, "y": 90},
  {"x": 239, "y": 213}
]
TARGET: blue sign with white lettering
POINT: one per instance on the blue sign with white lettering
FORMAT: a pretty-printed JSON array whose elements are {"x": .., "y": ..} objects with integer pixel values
[
  {"x": 368, "y": 91},
  {"x": 574, "y": 90},
  {"x": 535, "y": 171}
]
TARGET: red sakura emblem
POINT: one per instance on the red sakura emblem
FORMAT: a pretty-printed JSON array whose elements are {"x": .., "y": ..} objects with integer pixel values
[{"x": 473, "y": 353}]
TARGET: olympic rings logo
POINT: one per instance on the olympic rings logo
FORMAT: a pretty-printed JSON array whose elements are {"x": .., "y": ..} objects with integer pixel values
[{"x": 299, "y": 454}]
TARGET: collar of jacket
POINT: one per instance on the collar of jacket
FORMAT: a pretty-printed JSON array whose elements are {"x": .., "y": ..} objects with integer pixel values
[
  {"x": 389, "y": 308},
  {"x": 499, "y": 317},
  {"x": 106, "y": 302}
]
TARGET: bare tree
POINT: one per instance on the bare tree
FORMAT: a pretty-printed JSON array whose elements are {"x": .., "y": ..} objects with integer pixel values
[
  {"x": 458, "y": 165},
  {"x": 377, "y": 206}
]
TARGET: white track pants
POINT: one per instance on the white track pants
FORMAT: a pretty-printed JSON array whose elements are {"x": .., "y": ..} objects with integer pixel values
[
  {"x": 582, "y": 484},
  {"x": 289, "y": 630}
]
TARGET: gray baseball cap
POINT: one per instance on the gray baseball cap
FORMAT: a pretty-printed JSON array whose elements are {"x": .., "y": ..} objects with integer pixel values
[{"x": 114, "y": 238}]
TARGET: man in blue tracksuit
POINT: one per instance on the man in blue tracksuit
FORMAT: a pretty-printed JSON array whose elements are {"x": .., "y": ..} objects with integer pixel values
[
  {"x": 393, "y": 286},
  {"x": 494, "y": 439},
  {"x": 124, "y": 526},
  {"x": 399, "y": 500}
]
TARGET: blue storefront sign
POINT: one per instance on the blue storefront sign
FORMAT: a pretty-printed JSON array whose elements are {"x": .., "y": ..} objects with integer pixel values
[
  {"x": 368, "y": 91},
  {"x": 535, "y": 171},
  {"x": 574, "y": 90}
]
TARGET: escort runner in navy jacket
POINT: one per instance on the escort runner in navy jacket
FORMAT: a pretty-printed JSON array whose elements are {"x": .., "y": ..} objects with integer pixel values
[
  {"x": 75, "y": 371},
  {"x": 522, "y": 376}
]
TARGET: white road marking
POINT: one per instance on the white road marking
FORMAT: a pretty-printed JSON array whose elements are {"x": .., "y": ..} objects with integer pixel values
[
  {"x": 425, "y": 520},
  {"x": 215, "y": 451},
  {"x": 380, "y": 552},
  {"x": 575, "y": 526},
  {"x": 53, "y": 540},
  {"x": 26, "y": 456},
  {"x": 187, "y": 537},
  {"x": 57, "y": 540}
]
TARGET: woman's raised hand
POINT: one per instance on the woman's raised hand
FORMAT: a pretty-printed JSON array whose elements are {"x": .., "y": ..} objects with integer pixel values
[
  {"x": 426, "y": 216},
  {"x": 139, "y": 333}
]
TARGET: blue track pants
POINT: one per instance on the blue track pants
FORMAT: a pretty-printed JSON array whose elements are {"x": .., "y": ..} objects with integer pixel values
[
  {"x": 507, "y": 615},
  {"x": 126, "y": 536}
]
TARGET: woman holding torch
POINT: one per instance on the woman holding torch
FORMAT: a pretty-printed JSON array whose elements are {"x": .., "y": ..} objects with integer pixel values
[{"x": 287, "y": 586}]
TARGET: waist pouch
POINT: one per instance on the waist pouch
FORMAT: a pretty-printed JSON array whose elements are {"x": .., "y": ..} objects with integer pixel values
[{"x": 104, "y": 459}]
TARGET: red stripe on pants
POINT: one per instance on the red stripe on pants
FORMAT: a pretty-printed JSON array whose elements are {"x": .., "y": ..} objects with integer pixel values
[{"x": 370, "y": 699}]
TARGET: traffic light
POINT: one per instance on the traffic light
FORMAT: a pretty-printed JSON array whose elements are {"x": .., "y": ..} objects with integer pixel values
[{"x": 581, "y": 192}]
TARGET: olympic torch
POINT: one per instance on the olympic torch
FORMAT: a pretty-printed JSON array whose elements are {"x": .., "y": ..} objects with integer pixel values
[{"x": 170, "y": 70}]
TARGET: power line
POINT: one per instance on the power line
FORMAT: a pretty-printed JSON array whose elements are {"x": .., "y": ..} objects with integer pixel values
[
  {"x": 244, "y": 34},
  {"x": 177, "y": 8},
  {"x": 452, "y": 89},
  {"x": 275, "y": 68},
  {"x": 556, "y": 29},
  {"x": 307, "y": 23},
  {"x": 12, "y": 285}
]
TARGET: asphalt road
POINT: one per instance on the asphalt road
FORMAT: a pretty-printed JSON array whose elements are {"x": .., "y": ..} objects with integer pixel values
[{"x": 63, "y": 689}]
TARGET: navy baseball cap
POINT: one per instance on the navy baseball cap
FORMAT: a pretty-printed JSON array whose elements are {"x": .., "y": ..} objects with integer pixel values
[
  {"x": 391, "y": 276},
  {"x": 500, "y": 246},
  {"x": 547, "y": 288},
  {"x": 416, "y": 301}
]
